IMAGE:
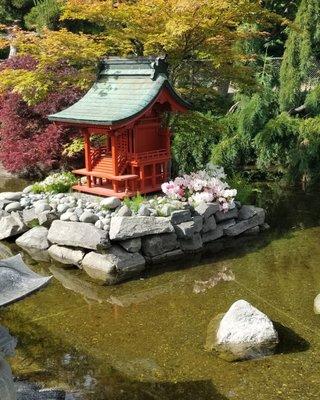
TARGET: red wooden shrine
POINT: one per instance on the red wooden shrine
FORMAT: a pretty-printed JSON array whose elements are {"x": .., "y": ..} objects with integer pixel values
[{"x": 126, "y": 141}]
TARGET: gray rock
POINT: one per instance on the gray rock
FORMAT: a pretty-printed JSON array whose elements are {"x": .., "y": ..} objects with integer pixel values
[
  {"x": 46, "y": 218},
  {"x": 74, "y": 218},
  {"x": 115, "y": 266},
  {"x": 79, "y": 211},
  {"x": 66, "y": 255},
  {"x": 198, "y": 223},
  {"x": 27, "y": 189},
  {"x": 62, "y": 208},
  {"x": 29, "y": 217},
  {"x": 11, "y": 225},
  {"x": 159, "y": 244},
  {"x": 14, "y": 206},
  {"x": 243, "y": 333},
  {"x": 88, "y": 217},
  {"x": 209, "y": 224},
  {"x": 131, "y": 245},
  {"x": 223, "y": 216},
  {"x": 40, "y": 206},
  {"x": 244, "y": 225},
  {"x": 99, "y": 224},
  {"x": 193, "y": 244},
  {"x": 186, "y": 230},
  {"x": 24, "y": 202},
  {"x": 205, "y": 210},
  {"x": 253, "y": 231},
  {"x": 179, "y": 216},
  {"x": 36, "y": 238},
  {"x": 124, "y": 211},
  {"x": 78, "y": 234},
  {"x": 66, "y": 216},
  {"x": 247, "y": 212},
  {"x": 144, "y": 211},
  {"x": 110, "y": 203},
  {"x": 213, "y": 235},
  {"x": 264, "y": 227},
  {"x": 11, "y": 196},
  {"x": 166, "y": 257},
  {"x": 123, "y": 228}
]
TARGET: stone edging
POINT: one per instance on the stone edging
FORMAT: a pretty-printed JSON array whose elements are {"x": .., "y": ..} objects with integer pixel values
[{"x": 113, "y": 245}]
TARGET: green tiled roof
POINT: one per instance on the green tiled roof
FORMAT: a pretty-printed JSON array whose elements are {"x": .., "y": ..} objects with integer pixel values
[{"x": 123, "y": 90}]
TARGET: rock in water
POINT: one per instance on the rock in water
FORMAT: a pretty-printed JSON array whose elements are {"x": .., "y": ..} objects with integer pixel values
[
  {"x": 316, "y": 305},
  {"x": 242, "y": 333},
  {"x": 7, "y": 389}
]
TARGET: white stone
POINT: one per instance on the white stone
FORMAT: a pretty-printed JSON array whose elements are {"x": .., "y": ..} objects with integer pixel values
[
  {"x": 11, "y": 225},
  {"x": 11, "y": 196},
  {"x": 123, "y": 228},
  {"x": 36, "y": 238},
  {"x": 316, "y": 305},
  {"x": 115, "y": 266},
  {"x": 110, "y": 202},
  {"x": 62, "y": 208},
  {"x": 41, "y": 206},
  {"x": 244, "y": 333},
  {"x": 15, "y": 206},
  {"x": 65, "y": 255},
  {"x": 77, "y": 234},
  {"x": 88, "y": 217}
]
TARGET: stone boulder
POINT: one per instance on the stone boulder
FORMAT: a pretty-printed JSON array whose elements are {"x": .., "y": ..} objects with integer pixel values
[
  {"x": 131, "y": 245},
  {"x": 78, "y": 234},
  {"x": 115, "y": 266},
  {"x": 159, "y": 244},
  {"x": 10, "y": 196},
  {"x": 66, "y": 255},
  {"x": 242, "y": 333},
  {"x": 36, "y": 238},
  {"x": 179, "y": 216},
  {"x": 14, "y": 206},
  {"x": 123, "y": 228},
  {"x": 192, "y": 244},
  {"x": 110, "y": 203},
  {"x": 246, "y": 224},
  {"x": 11, "y": 225},
  {"x": 224, "y": 216},
  {"x": 206, "y": 210}
]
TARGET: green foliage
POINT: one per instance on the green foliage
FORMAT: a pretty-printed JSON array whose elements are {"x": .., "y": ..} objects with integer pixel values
[
  {"x": 275, "y": 144},
  {"x": 312, "y": 101},
  {"x": 194, "y": 135},
  {"x": 134, "y": 203},
  {"x": 301, "y": 53},
  {"x": 246, "y": 192},
  {"x": 55, "y": 183},
  {"x": 44, "y": 14}
]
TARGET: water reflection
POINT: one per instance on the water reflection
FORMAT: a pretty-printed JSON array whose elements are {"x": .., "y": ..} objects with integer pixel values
[{"x": 7, "y": 346}]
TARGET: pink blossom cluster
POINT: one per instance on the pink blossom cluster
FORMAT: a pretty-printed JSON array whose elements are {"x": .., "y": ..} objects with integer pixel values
[{"x": 204, "y": 186}]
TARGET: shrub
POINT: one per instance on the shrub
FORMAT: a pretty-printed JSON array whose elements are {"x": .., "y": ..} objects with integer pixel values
[
  {"x": 55, "y": 183},
  {"x": 194, "y": 135},
  {"x": 134, "y": 203}
]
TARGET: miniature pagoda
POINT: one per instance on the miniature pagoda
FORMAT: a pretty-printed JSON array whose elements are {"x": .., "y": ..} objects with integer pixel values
[{"x": 126, "y": 141}]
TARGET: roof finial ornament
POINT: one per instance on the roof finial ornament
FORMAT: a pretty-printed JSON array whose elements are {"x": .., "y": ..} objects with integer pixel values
[{"x": 159, "y": 66}]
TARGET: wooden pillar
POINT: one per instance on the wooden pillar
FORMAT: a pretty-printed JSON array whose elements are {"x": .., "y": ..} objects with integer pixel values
[
  {"x": 87, "y": 150},
  {"x": 114, "y": 153}
]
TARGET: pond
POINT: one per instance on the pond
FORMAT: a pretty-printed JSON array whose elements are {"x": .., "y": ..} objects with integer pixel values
[{"x": 144, "y": 339}]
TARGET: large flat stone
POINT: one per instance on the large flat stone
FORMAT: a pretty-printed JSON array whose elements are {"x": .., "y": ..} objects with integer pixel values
[
  {"x": 36, "y": 238},
  {"x": 159, "y": 244},
  {"x": 11, "y": 225},
  {"x": 115, "y": 266},
  {"x": 223, "y": 216},
  {"x": 244, "y": 225},
  {"x": 193, "y": 244},
  {"x": 123, "y": 228},
  {"x": 78, "y": 234},
  {"x": 66, "y": 255}
]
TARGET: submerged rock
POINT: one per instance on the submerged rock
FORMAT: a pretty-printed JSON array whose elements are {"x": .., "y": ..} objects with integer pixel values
[
  {"x": 65, "y": 255},
  {"x": 242, "y": 333},
  {"x": 316, "y": 305},
  {"x": 115, "y": 266}
]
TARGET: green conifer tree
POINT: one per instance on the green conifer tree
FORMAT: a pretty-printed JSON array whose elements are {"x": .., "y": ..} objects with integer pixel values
[{"x": 302, "y": 51}]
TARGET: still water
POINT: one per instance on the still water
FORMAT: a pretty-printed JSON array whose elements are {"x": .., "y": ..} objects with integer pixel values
[{"x": 144, "y": 339}]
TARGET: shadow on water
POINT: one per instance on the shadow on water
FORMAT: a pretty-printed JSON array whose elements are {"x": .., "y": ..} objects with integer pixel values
[
  {"x": 96, "y": 377},
  {"x": 289, "y": 341}
]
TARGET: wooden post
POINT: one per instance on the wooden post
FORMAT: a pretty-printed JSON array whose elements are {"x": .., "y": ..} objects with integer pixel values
[
  {"x": 114, "y": 153},
  {"x": 87, "y": 150}
]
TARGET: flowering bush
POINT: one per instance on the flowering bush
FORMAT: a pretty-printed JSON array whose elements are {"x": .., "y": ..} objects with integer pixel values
[
  {"x": 202, "y": 187},
  {"x": 55, "y": 183}
]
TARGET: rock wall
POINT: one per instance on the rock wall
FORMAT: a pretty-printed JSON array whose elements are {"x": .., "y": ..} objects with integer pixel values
[{"x": 110, "y": 242}]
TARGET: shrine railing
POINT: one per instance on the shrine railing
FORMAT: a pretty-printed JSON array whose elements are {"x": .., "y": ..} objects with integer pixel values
[{"x": 149, "y": 155}]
